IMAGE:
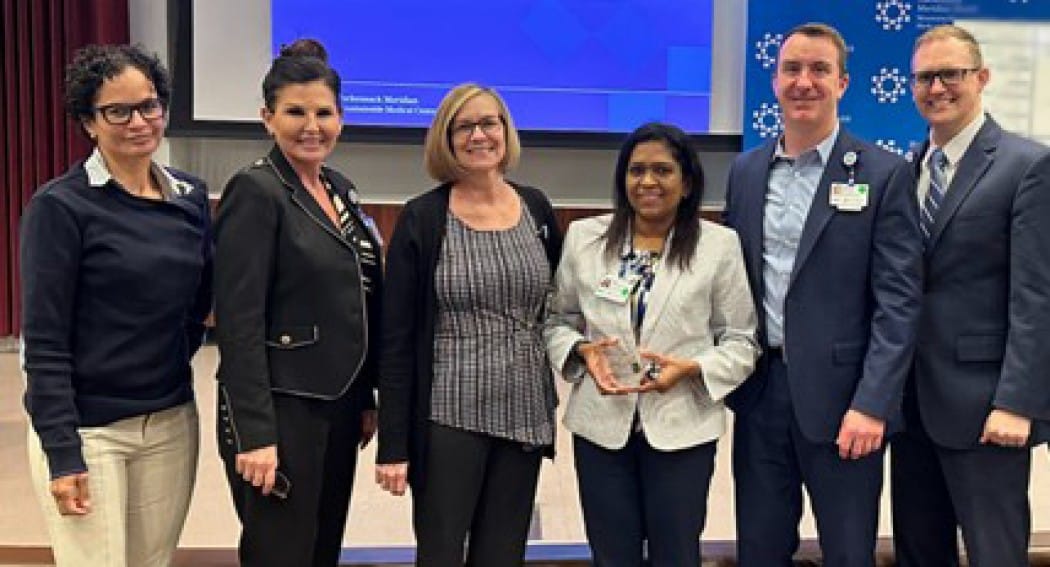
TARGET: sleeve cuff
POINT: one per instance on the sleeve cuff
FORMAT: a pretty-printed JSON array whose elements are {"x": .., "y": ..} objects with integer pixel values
[
  {"x": 870, "y": 411},
  {"x": 64, "y": 461},
  {"x": 574, "y": 369},
  {"x": 390, "y": 452}
]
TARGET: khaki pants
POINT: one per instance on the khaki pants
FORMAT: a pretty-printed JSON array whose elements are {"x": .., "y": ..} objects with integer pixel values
[{"x": 140, "y": 476}]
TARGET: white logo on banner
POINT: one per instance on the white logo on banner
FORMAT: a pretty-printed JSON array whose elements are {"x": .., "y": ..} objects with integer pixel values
[
  {"x": 767, "y": 121},
  {"x": 888, "y": 85},
  {"x": 892, "y": 14},
  {"x": 890, "y": 146},
  {"x": 766, "y": 49}
]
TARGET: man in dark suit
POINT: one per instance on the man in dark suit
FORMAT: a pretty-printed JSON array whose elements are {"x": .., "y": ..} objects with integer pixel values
[
  {"x": 830, "y": 234},
  {"x": 981, "y": 384}
]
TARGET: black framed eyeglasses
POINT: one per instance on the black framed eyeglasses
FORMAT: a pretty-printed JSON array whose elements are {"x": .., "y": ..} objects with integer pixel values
[
  {"x": 119, "y": 113},
  {"x": 488, "y": 125},
  {"x": 949, "y": 77}
]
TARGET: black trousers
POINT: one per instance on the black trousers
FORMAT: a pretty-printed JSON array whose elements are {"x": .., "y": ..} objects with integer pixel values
[
  {"x": 317, "y": 451},
  {"x": 934, "y": 490},
  {"x": 639, "y": 495},
  {"x": 475, "y": 485},
  {"x": 773, "y": 460}
]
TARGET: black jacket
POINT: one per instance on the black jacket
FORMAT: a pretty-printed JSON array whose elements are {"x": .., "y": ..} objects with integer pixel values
[
  {"x": 290, "y": 310},
  {"x": 409, "y": 318}
]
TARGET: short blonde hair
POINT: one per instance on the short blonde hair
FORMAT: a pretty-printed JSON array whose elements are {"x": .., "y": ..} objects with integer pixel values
[
  {"x": 950, "y": 31},
  {"x": 438, "y": 157}
]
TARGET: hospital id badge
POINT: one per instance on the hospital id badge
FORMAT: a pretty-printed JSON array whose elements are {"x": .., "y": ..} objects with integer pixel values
[
  {"x": 850, "y": 197},
  {"x": 616, "y": 289}
]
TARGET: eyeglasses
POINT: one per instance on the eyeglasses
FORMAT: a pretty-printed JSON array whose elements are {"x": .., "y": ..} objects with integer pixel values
[
  {"x": 119, "y": 113},
  {"x": 488, "y": 125},
  {"x": 948, "y": 77}
]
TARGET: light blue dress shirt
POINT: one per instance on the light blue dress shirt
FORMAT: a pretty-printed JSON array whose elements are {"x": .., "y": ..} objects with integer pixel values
[{"x": 792, "y": 184}]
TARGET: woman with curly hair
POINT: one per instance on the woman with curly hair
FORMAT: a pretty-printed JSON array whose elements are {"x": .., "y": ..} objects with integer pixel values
[{"x": 116, "y": 284}]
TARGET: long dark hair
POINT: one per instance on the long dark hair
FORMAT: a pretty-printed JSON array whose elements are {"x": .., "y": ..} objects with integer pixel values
[
  {"x": 687, "y": 218},
  {"x": 302, "y": 61}
]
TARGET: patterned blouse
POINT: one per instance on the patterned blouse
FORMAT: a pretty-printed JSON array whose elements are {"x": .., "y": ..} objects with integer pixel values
[
  {"x": 491, "y": 373},
  {"x": 357, "y": 234}
]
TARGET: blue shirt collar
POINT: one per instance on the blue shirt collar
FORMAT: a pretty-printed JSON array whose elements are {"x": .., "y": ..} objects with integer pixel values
[{"x": 823, "y": 149}]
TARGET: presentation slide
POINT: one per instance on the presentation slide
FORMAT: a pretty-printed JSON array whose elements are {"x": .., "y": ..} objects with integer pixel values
[
  {"x": 562, "y": 65},
  {"x": 880, "y": 34}
]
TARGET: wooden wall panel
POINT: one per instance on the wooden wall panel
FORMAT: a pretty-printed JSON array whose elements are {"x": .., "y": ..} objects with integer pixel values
[{"x": 385, "y": 215}]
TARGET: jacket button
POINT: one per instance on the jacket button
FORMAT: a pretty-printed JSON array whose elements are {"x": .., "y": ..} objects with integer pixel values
[{"x": 285, "y": 339}]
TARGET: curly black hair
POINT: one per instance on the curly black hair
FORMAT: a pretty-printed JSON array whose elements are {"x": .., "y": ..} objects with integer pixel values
[{"x": 94, "y": 64}]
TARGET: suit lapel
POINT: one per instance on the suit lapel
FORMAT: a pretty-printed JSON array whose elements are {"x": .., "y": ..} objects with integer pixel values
[
  {"x": 667, "y": 275},
  {"x": 307, "y": 203},
  {"x": 302, "y": 197},
  {"x": 974, "y": 163},
  {"x": 753, "y": 196},
  {"x": 749, "y": 205},
  {"x": 606, "y": 265},
  {"x": 918, "y": 152},
  {"x": 820, "y": 210}
]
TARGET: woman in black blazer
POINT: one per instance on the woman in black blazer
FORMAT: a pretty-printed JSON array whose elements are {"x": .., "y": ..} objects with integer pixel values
[{"x": 297, "y": 291}]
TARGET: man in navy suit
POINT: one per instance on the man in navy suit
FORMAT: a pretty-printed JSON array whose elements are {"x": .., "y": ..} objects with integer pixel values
[
  {"x": 980, "y": 388},
  {"x": 830, "y": 233}
]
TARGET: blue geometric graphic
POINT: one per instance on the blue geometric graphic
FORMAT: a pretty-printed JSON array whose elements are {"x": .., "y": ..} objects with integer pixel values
[
  {"x": 553, "y": 29},
  {"x": 563, "y": 65},
  {"x": 689, "y": 69}
]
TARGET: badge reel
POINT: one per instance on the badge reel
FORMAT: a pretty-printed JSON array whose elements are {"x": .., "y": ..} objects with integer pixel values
[{"x": 850, "y": 196}]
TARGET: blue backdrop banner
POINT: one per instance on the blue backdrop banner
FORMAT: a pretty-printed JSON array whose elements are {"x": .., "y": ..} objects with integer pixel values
[{"x": 877, "y": 105}]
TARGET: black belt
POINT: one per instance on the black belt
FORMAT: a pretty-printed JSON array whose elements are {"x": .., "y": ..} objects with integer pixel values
[{"x": 775, "y": 351}]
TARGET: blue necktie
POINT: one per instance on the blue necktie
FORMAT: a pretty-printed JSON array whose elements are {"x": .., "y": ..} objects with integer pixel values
[{"x": 935, "y": 196}]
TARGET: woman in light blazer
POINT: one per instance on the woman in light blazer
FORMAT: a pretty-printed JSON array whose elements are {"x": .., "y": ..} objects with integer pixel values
[{"x": 652, "y": 323}]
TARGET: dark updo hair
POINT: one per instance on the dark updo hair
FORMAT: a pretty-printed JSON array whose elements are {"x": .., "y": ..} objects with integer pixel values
[
  {"x": 303, "y": 61},
  {"x": 95, "y": 64},
  {"x": 687, "y": 219}
]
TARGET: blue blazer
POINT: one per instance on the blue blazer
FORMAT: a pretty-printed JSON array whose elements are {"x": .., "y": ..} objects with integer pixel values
[
  {"x": 852, "y": 306},
  {"x": 986, "y": 303}
]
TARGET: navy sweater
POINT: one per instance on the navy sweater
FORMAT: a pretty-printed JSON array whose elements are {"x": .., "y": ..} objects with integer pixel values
[{"x": 115, "y": 289}]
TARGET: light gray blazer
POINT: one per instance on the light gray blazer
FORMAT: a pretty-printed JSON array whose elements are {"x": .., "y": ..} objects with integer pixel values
[{"x": 704, "y": 313}]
